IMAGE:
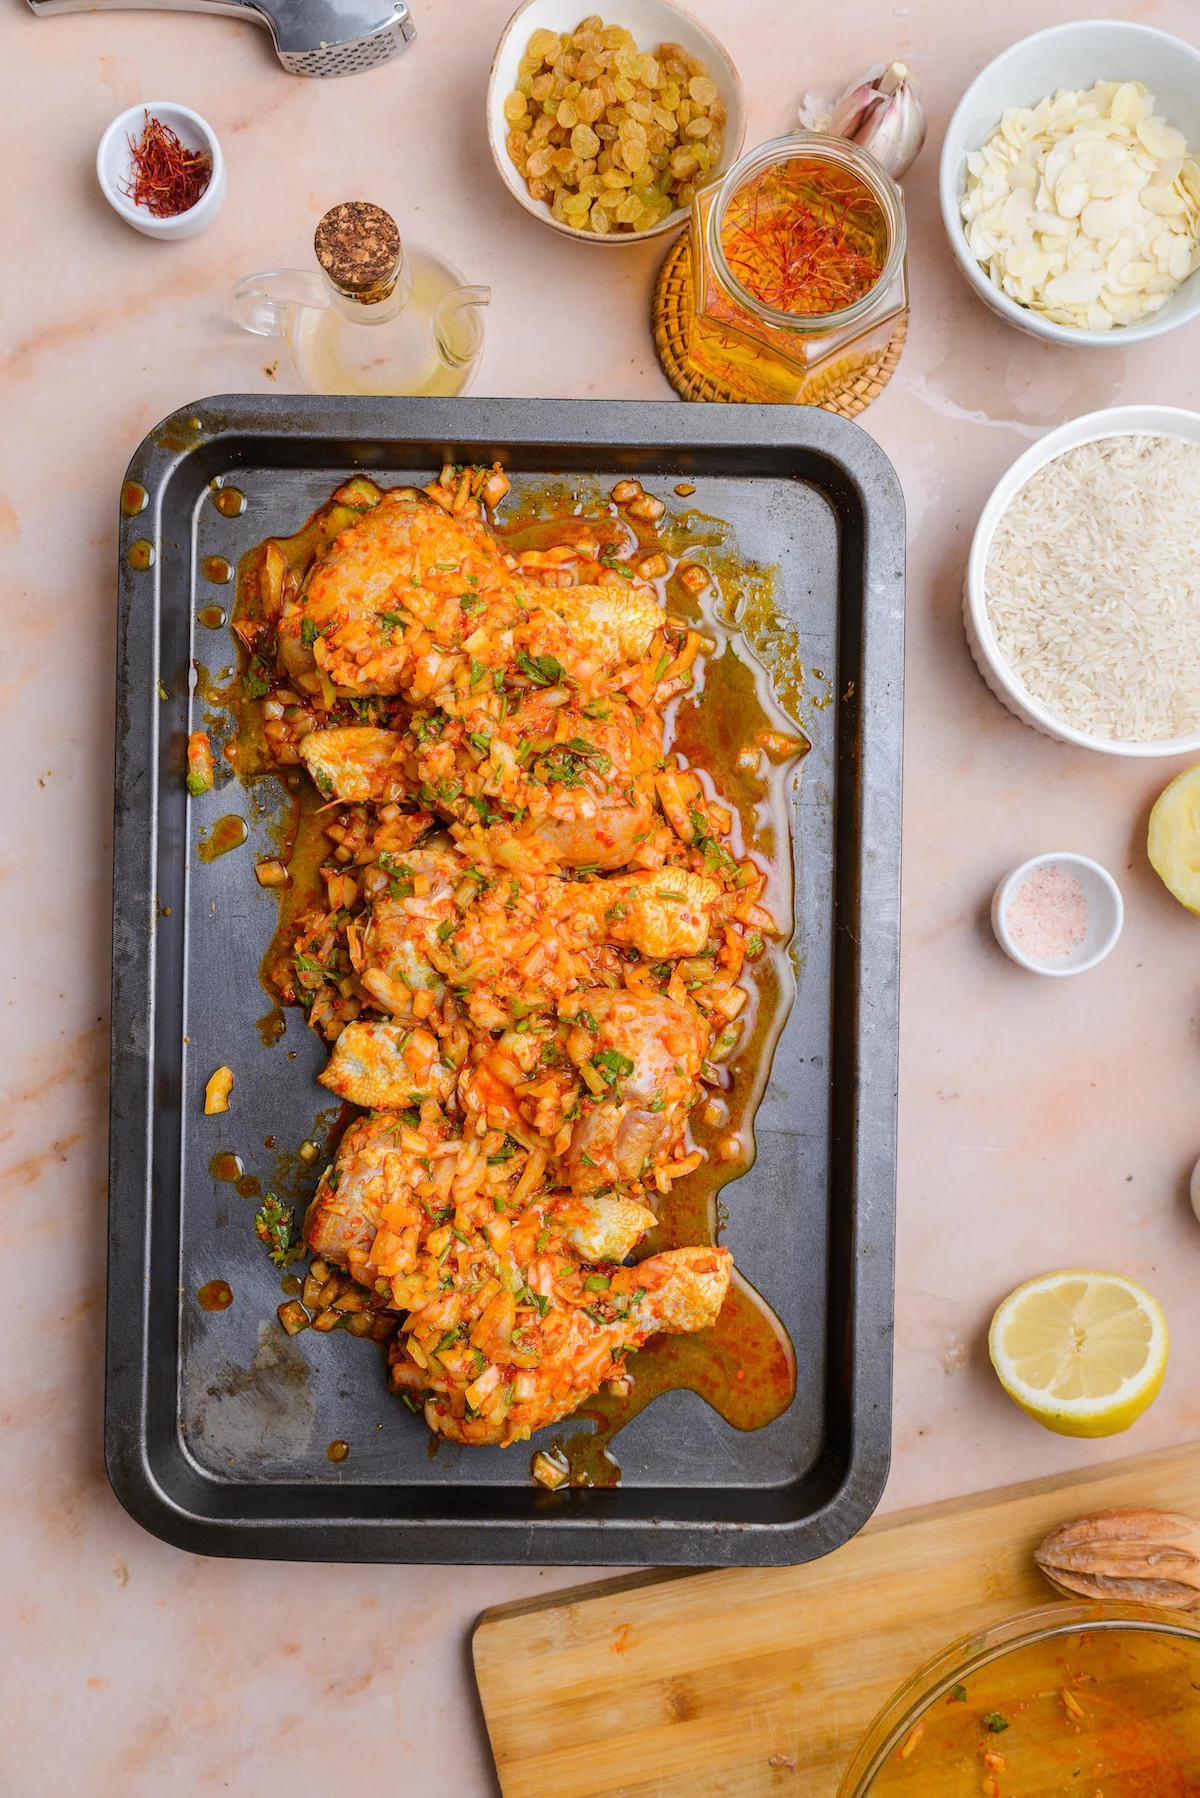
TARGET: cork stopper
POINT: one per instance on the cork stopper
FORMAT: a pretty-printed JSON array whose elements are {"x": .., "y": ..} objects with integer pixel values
[{"x": 358, "y": 246}]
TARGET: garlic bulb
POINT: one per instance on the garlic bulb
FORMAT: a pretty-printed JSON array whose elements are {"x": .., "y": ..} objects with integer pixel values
[{"x": 880, "y": 111}]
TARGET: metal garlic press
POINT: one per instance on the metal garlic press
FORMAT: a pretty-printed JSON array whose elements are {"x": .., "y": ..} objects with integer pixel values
[{"x": 312, "y": 37}]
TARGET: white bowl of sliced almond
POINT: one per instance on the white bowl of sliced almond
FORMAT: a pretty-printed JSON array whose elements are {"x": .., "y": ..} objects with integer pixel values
[{"x": 1068, "y": 185}]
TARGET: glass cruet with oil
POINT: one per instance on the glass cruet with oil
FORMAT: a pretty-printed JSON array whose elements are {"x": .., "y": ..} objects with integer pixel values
[{"x": 379, "y": 317}]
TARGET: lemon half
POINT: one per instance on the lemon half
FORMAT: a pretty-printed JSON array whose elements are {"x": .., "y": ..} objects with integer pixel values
[
  {"x": 1173, "y": 844},
  {"x": 1084, "y": 1353}
]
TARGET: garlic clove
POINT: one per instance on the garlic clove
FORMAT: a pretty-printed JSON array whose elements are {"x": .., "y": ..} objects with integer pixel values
[
  {"x": 880, "y": 111},
  {"x": 853, "y": 109},
  {"x": 895, "y": 130}
]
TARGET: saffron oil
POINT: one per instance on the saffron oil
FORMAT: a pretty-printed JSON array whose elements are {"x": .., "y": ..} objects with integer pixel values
[{"x": 805, "y": 237}]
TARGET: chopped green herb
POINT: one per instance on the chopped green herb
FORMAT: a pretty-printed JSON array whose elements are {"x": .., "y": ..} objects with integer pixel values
[
  {"x": 611, "y": 1065},
  {"x": 586, "y": 1018},
  {"x": 995, "y": 1722},
  {"x": 958, "y": 1695},
  {"x": 308, "y": 633},
  {"x": 479, "y": 740},
  {"x": 543, "y": 1241},
  {"x": 479, "y": 672},
  {"x": 446, "y": 928},
  {"x": 543, "y": 671},
  {"x": 274, "y": 1225},
  {"x": 597, "y": 1283},
  {"x": 657, "y": 1102},
  {"x": 444, "y": 1342}
]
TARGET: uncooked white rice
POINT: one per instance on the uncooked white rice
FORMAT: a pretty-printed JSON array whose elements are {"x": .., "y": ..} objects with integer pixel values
[{"x": 1093, "y": 587}]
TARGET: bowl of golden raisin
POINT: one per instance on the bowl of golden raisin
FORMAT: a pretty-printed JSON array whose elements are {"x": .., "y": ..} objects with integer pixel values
[{"x": 604, "y": 127}]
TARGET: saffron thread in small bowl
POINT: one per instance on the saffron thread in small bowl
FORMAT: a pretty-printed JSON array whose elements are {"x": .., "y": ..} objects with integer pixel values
[
  {"x": 1047, "y": 917},
  {"x": 165, "y": 176}
]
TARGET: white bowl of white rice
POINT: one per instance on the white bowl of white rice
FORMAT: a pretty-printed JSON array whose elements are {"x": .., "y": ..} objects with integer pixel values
[{"x": 1082, "y": 595}]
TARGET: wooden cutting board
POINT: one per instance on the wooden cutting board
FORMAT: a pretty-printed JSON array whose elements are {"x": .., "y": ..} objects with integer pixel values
[{"x": 743, "y": 1682}]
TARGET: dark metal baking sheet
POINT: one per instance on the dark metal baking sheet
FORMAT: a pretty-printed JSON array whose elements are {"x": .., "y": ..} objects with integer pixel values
[{"x": 217, "y": 1425}]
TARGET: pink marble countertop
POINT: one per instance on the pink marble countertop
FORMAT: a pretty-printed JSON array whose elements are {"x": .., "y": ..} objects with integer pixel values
[{"x": 1042, "y": 1124}]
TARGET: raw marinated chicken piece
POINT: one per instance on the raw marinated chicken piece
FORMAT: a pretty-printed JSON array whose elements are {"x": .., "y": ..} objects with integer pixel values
[
  {"x": 640, "y": 1054},
  {"x": 502, "y": 1315},
  {"x": 663, "y": 914},
  {"x": 589, "y": 631},
  {"x": 516, "y": 1367},
  {"x": 404, "y": 563},
  {"x": 601, "y": 1226},
  {"x": 373, "y": 1170},
  {"x": 544, "y": 785},
  {"x": 382, "y": 1161},
  {"x": 356, "y": 762},
  {"x": 386, "y": 1067},
  {"x": 607, "y": 839},
  {"x": 536, "y": 933},
  {"x": 403, "y": 923}
]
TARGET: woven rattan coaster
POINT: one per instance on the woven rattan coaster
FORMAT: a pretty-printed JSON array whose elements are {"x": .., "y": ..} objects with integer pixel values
[{"x": 847, "y": 388}]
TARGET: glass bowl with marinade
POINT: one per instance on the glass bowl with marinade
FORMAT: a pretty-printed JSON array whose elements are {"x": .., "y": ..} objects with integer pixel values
[{"x": 1067, "y": 1701}]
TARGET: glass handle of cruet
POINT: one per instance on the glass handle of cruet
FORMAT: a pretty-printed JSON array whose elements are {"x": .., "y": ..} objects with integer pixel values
[
  {"x": 261, "y": 303},
  {"x": 457, "y": 326}
]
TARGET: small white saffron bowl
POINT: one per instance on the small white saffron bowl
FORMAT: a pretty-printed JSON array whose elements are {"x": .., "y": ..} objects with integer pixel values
[
  {"x": 114, "y": 161},
  {"x": 1105, "y": 914}
]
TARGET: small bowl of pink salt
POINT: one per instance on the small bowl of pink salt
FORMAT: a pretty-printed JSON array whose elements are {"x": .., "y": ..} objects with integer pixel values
[{"x": 1058, "y": 914}]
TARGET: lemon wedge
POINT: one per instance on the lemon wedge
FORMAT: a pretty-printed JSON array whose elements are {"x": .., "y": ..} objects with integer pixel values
[
  {"x": 1174, "y": 841},
  {"x": 1083, "y": 1353}
]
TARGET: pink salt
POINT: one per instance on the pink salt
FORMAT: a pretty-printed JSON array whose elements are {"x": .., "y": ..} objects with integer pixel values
[{"x": 1047, "y": 917}]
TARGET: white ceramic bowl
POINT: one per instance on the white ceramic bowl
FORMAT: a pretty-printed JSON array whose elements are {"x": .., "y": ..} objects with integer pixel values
[
  {"x": 652, "y": 22},
  {"x": 1162, "y": 421},
  {"x": 1106, "y": 914},
  {"x": 1072, "y": 56},
  {"x": 113, "y": 162}
]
